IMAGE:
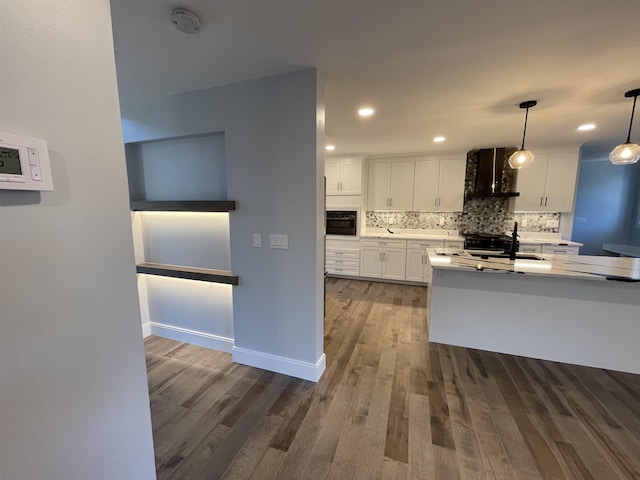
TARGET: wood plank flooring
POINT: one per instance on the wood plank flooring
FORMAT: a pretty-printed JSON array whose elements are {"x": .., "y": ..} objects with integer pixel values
[{"x": 390, "y": 406}]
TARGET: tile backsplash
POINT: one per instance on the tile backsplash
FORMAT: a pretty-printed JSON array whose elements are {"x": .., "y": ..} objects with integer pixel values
[{"x": 484, "y": 219}]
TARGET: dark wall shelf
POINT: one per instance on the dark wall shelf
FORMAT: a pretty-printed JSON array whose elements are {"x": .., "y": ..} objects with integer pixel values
[
  {"x": 189, "y": 273},
  {"x": 184, "y": 206}
]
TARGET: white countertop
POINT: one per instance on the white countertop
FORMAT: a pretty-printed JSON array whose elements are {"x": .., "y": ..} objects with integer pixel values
[
  {"x": 454, "y": 235},
  {"x": 568, "y": 266},
  {"x": 541, "y": 239},
  {"x": 622, "y": 249},
  {"x": 409, "y": 234}
]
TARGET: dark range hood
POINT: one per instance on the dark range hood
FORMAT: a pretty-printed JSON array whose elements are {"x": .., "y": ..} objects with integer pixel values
[{"x": 491, "y": 177}]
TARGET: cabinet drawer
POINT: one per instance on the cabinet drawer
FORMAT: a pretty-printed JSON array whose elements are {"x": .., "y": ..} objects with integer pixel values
[
  {"x": 425, "y": 243},
  {"x": 454, "y": 244},
  {"x": 342, "y": 253},
  {"x": 560, "y": 249},
  {"x": 530, "y": 248},
  {"x": 380, "y": 243},
  {"x": 343, "y": 262},
  {"x": 343, "y": 270}
]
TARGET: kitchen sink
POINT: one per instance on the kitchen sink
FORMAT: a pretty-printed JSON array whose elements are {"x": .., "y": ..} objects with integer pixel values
[{"x": 519, "y": 256}]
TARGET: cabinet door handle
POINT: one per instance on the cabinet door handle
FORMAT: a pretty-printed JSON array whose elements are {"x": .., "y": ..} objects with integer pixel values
[
  {"x": 540, "y": 201},
  {"x": 380, "y": 256},
  {"x": 545, "y": 201},
  {"x": 391, "y": 202}
]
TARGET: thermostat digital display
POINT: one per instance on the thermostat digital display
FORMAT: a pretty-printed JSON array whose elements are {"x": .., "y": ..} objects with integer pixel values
[
  {"x": 10, "y": 161},
  {"x": 24, "y": 163}
]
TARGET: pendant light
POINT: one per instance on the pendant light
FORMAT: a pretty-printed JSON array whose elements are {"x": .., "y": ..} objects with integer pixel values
[
  {"x": 523, "y": 158},
  {"x": 628, "y": 152}
]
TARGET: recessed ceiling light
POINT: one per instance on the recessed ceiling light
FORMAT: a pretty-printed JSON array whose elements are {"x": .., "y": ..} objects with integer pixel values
[
  {"x": 439, "y": 139},
  {"x": 330, "y": 147},
  {"x": 366, "y": 112},
  {"x": 586, "y": 127}
]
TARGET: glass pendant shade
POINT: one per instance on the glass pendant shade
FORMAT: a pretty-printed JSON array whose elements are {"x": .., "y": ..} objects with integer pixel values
[
  {"x": 625, "y": 154},
  {"x": 522, "y": 158},
  {"x": 628, "y": 152}
]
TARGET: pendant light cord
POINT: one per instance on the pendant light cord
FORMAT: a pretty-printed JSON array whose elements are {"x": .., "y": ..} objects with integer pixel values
[
  {"x": 526, "y": 116},
  {"x": 633, "y": 109}
]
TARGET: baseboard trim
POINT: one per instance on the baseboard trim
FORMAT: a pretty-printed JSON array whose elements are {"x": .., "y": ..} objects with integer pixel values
[
  {"x": 194, "y": 337},
  {"x": 146, "y": 330},
  {"x": 284, "y": 365}
]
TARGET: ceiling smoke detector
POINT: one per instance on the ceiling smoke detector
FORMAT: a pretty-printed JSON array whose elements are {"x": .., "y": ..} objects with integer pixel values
[{"x": 185, "y": 21}]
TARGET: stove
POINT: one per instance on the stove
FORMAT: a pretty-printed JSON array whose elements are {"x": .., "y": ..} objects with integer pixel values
[{"x": 487, "y": 241}]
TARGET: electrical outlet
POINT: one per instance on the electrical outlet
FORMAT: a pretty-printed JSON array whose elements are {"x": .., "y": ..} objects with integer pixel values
[
  {"x": 552, "y": 223},
  {"x": 390, "y": 221},
  {"x": 524, "y": 222},
  {"x": 257, "y": 240},
  {"x": 441, "y": 221}
]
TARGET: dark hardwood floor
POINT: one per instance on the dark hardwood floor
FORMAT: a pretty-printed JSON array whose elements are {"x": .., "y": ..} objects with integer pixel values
[{"x": 390, "y": 405}]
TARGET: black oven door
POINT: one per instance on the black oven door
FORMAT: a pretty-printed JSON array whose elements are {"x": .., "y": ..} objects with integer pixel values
[{"x": 341, "y": 222}]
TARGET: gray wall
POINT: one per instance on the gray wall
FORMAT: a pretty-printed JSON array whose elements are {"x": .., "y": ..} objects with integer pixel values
[
  {"x": 275, "y": 173},
  {"x": 73, "y": 392},
  {"x": 606, "y": 205}
]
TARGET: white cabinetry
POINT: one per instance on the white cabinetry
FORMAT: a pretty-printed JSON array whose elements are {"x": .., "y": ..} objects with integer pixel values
[
  {"x": 561, "y": 249},
  {"x": 549, "y": 184},
  {"x": 418, "y": 268},
  {"x": 454, "y": 244},
  {"x": 390, "y": 185},
  {"x": 383, "y": 259},
  {"x": 530, "y": 248},
  {"x": 343, "y": 261},
  {"x": 344, "y": 176},
  {"x": 439, "y": 184}
]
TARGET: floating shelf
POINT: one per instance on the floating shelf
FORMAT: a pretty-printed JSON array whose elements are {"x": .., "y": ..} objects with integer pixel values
[
  {"x": 184, "y": 206},
  {"x": 190, "y": 273}
]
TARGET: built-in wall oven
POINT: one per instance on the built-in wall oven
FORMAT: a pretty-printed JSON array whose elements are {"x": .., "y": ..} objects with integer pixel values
[{"x": 342, "y": 222}]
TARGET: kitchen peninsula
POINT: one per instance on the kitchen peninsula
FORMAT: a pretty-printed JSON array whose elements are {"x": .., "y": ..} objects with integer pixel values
[{"x": 583, "y": 310}]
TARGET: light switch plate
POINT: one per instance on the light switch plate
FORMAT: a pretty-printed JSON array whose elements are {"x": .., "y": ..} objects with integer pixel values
[
  {"x": 257, "y": 240},
  {"x": 278, "y": 241}
]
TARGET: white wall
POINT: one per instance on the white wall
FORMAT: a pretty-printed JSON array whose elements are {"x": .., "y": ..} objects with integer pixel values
[
  {"x": 73, "y": 393},
  {"x": 273, "y": 134}
]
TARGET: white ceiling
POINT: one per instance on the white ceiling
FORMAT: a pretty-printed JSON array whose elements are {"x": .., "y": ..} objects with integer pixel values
[{"x": 457, "y": 68}]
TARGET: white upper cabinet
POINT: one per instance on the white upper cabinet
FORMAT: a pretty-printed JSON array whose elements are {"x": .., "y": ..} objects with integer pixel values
[
  {"x": 549, "y": 184},
  {"x": 390, "y": 185},
  {"x": 439, "y": 184},
  {"x": 425, "y": 185},
  {"x": 344, "y": 176}
]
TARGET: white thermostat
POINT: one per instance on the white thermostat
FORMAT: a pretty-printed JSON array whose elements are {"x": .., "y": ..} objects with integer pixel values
[{"x": 24, "y": 163}]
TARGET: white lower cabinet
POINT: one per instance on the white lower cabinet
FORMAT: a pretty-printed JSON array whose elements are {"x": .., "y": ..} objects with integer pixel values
[
  {"x": 530, "y": 248},
  {"x": 343, "y": 261},
  {"x": 383, "y": 259},
  {"x": 561, "y": 249},
  {"x": 418, "y": 269},
  {"x": 454, "y": 244}
]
